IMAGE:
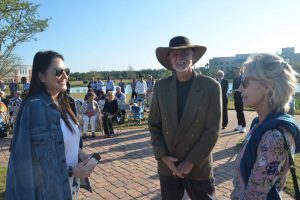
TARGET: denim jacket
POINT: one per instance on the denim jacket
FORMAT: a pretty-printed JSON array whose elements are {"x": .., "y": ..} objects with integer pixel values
[{"x": 37, "y": 166}]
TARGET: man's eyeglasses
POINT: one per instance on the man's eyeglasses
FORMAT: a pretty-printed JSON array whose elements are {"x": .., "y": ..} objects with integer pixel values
[{"x": 58, "y": 71}]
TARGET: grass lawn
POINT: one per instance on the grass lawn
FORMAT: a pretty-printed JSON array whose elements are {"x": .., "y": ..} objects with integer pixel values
[
  {"x": 2, "y": 182},
  {"x": 133, "y": 125},
  {"x": 288, "y": 188}
]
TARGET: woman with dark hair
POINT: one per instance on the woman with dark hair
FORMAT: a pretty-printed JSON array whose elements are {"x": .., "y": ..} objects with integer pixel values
[{"x": 43, "y": 163}]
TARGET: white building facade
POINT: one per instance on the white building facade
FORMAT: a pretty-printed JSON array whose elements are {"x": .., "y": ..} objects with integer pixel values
[
  {"x": 18, "y": 74},
  {"x": 227, "y": 63}
]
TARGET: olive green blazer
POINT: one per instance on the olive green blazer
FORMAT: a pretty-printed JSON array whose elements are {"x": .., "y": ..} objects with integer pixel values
[{"x": 195, "y": 136}]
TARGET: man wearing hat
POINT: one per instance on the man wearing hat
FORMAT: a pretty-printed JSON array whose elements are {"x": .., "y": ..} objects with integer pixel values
[{"x": 184, "y": 123}]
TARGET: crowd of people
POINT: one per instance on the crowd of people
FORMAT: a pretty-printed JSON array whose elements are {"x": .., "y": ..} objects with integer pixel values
[
  {"x": 11, "y": 103},
  {"x": 187, "y": 111},
  {"x": 105, "y": 104},
  {"x": 139, "y": 88}
]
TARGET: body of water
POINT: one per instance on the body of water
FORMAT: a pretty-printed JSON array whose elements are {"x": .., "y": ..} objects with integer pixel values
[{"x": 128, "y": 89}]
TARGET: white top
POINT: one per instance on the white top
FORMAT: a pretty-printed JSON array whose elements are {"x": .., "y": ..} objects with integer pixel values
[
  {"x": 141, "y": 87},
  {"x": 71, "y": 142}
]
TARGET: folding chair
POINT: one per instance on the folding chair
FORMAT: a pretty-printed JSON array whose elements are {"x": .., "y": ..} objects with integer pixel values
[{"x": 137, "y": 114}]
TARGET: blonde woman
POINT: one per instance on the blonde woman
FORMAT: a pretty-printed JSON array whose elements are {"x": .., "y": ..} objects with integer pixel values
[{"x": 263, "y": 162}]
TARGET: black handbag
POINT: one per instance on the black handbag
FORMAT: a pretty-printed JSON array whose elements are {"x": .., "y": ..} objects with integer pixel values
[{"x": 292, "y": 167}]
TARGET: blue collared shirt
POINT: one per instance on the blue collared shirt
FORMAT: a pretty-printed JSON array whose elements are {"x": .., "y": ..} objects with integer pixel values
[{"x": 110, "y": 85}]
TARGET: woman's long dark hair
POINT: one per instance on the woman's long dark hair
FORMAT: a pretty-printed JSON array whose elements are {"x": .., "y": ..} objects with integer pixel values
[{"x": 41, "y": 63}]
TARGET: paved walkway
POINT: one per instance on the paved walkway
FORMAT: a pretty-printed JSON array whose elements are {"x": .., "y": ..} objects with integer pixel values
[{"x": 128, "y": 169}]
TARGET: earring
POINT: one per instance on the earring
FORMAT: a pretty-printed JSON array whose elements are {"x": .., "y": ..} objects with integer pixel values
[
  {"x": 269, "y": 95},
  {"x": 270, "y": 101}
]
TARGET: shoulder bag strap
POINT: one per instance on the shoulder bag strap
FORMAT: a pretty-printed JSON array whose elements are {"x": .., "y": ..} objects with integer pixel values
[{"x": 292, "y": 166}]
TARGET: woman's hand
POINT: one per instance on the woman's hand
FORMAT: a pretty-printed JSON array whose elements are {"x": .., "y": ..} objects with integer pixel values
[
  {"x": 85, "y": 158},
  {"x": 81, "y": 170}
]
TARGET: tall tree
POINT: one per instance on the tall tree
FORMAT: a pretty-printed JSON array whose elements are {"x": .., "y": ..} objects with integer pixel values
[{"x": 19, "y": 22}]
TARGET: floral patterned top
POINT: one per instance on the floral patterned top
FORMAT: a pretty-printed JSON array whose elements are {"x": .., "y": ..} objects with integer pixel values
[{"x": 271, "y": 167}]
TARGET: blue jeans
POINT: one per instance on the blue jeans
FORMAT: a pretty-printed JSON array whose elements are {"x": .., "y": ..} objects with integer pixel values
[{"x": 172, "y": 188}]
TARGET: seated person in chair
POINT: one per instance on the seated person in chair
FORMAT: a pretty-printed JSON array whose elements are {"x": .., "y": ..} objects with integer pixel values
[
  {"x": 110, "y": 113},
  {"x": 14, "y": 106},
  {"x": 90, "y": 113},
  {"x": 137, "y": 111}
]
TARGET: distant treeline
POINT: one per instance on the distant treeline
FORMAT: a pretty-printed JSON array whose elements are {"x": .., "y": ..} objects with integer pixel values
[
  {"x": 156, "y": 73},
  {"x": 130, "y": 74}
]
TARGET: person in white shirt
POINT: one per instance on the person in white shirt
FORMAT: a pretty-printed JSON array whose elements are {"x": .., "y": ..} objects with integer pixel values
[{"x": 141, "y": 87}]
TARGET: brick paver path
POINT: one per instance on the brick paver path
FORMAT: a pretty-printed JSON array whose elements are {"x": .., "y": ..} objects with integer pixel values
[{"x": 128, "y": 169}]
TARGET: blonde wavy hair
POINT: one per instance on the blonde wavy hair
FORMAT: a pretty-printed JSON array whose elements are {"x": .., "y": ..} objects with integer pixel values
[{"x": 268, "y": 67}]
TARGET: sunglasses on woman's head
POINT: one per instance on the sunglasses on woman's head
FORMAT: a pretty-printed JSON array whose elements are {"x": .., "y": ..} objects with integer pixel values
[{"x": 58, "y": 71}]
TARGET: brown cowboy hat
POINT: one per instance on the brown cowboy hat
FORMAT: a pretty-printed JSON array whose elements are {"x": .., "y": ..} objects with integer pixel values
[{"x": 178, "y": 42}]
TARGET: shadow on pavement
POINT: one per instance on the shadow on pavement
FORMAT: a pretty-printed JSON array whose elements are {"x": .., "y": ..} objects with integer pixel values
[
  {"x": 118, "y": 138},
  {"x": 225, "y": 153}
]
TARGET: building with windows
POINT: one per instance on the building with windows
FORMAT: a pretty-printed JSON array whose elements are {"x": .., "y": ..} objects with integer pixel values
[
  {"x": 21, "y": 72},
  {"x": 227, "y": 63},
  {"x": 289, "y": 55}
]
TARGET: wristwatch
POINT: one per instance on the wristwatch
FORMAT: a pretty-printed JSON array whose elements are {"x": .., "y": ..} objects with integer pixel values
[{"x": 70, "y": 171}]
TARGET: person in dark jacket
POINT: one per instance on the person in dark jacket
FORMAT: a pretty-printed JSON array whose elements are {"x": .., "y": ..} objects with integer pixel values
[
  {"x": 224, "y": 87},
  {"x": 184, "y": 123},
  {"x": 110, "y": 113},
  {"x": 238, "y": 101}
]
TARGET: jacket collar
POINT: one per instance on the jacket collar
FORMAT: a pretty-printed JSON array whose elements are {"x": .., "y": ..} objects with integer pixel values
[
  {"x": 189, "y": 112},
  {"x": 45, "y": 98}
]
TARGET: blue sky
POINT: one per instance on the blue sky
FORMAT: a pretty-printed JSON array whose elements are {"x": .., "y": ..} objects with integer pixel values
[{"x": 114, "y": 34}]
